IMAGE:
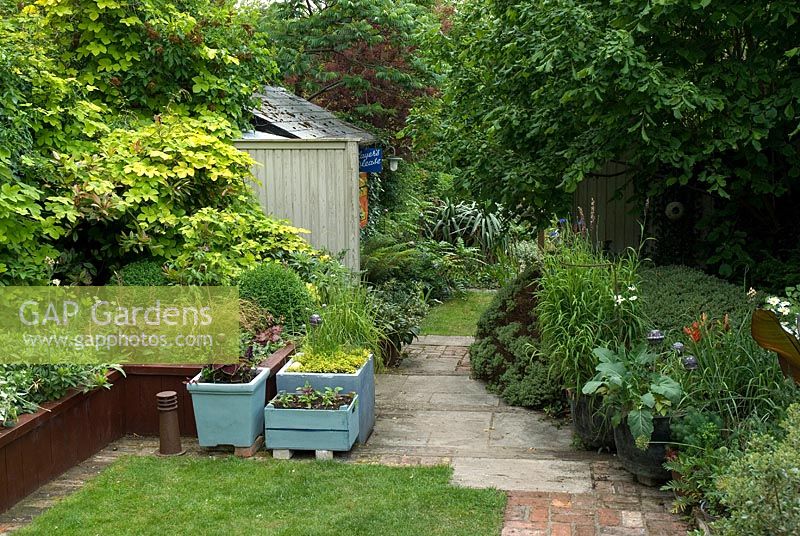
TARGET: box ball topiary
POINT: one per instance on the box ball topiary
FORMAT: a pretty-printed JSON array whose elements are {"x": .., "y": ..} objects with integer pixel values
[
  {"x": 279, "y": 290},
  {"x": 147, "y": 273}
]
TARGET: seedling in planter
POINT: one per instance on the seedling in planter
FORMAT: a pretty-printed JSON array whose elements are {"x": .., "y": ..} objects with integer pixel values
[{"x": 307, "y": 397}]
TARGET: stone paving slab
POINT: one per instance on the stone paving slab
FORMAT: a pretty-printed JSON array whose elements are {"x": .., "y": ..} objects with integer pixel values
[
  {"x": 531, "y": 430},
  {"x": 443, "y": 340},
  {"x": 523, "y": 475}
]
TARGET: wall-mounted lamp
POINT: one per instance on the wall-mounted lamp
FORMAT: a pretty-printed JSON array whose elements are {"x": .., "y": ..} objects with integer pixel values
[{"x": 394, "y": 160}]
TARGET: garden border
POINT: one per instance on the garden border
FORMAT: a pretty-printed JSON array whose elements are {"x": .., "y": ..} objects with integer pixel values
[{"x": 45, "y": 444}]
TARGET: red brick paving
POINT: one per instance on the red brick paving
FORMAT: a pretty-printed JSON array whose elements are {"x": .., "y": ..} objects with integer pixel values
[
  {"x": 589, "y": 514},
  {"x": 616, "y": 506}
]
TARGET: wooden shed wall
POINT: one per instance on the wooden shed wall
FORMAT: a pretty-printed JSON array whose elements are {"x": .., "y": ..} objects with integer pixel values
[
  {"x": 617, "y": 218},
  {"x": 314, "y": 184}
]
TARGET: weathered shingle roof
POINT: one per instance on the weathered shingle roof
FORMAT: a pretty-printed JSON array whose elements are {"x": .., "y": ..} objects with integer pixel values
[{"x": 285, "y": 114}]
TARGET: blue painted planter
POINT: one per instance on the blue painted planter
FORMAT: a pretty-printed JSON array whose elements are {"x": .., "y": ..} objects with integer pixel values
[
  {"x": 311, "y": 429},
  {"x": 362, "y": 382},
  {"x": 229, "y": 413}
]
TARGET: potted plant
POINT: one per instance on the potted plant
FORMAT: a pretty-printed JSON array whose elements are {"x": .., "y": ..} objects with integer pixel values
[
  {"x": 350, "y": 369},
  {"x": 228, "y": 402},
  {"x": 640, "y": 399},
  {"x": 591, "y": 421},
  {"x": 312, "y": 420}
]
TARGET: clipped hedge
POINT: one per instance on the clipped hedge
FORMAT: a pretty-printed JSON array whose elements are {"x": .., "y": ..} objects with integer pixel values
[
  {"x": 676, "y": 296},
  {"x": 504, "y": 353}
]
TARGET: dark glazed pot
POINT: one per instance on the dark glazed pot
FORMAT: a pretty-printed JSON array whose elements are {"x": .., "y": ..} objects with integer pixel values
[
  {"x": 590, "y": 422},
  {"x": 646, "y": 465}
]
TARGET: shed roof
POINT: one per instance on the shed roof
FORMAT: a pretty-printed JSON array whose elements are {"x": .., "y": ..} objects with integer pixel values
[{"x": 284, "y": 114}]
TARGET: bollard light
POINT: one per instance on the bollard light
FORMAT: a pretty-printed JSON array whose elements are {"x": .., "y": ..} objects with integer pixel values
[{"x": 168, "y": 429}]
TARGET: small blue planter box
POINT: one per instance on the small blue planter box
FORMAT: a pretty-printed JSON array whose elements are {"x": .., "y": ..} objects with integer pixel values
[
  {"x": 311, "y": 429},
  {"x": 362, "y": 382},
  {"x": 229, "y": 413}
]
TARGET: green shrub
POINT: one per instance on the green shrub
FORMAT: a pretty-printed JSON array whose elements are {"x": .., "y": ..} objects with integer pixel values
[
  {"x": 703, "y": 450},
  {"x": 441, "y": 267},
  {"x": 218, "y": 245},
  {"x": 762, "y": 488},
  {"x": 114, "y": 126},
  {"x": 676, "y": 296},
  {"x": 528, "y": 383},
  {"x": 504, "y": 353},
  {"x": 143, "y": 273},
  {"x": 280, "y": 291},
  {"x": 450, "y": 222},
  {"x": 400, "y": 308}
]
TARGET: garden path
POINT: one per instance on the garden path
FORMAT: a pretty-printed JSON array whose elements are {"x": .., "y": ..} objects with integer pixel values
[{"x": 430, "y": 411}]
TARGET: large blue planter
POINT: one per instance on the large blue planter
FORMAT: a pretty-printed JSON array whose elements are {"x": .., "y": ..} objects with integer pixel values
[
  {"x": 362, "y": 382},
  {"x": 229, "y": 413},
  {"x": 311, "y": 429}
]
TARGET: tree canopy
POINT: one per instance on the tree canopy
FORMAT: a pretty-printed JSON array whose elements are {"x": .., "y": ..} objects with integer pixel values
[
  {"x": 115, "y": 121},
  {"x": 691, "y": 94},
  {"x": 357, "y": 57}
]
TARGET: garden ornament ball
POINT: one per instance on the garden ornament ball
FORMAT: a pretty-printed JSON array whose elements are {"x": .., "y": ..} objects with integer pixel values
[{"x": 655, "y": 337}]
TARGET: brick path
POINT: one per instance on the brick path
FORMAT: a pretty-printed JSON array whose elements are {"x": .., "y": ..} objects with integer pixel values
[
  {"x": 616, "y": 506},
  {"x": 430, "y": 412}
]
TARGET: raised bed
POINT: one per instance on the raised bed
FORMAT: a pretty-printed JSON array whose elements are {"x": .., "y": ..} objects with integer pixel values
[
  {"x": 45, "y": 444},
  {"x": 362, "y": 382},
  {"x": 311, "y": 429}
]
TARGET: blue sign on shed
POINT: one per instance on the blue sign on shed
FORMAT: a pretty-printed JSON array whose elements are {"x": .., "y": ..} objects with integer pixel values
[{"x": 370, "y": 159}]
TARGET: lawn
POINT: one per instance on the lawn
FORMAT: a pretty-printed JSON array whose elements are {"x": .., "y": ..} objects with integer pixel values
[
  {"x": 148, "y": 495},
  {"x": 458, "y": 316}
]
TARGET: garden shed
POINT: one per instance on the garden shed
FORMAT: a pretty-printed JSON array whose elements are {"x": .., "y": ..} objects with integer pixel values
[{"x": 307, "y": 169}]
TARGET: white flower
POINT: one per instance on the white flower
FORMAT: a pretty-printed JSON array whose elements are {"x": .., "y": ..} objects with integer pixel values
[
  {"x": 752, "y": 293},
  {"x": 632, "y": 288},
  {"x": 618, "y": 299},
  {"x": 784, "y": 311},
  {"x": 773, "y": 300},
  {"x": 785, "y": 304},
  {"x": 56, "y": 282},
  {"x": 633, "y": 298}
]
